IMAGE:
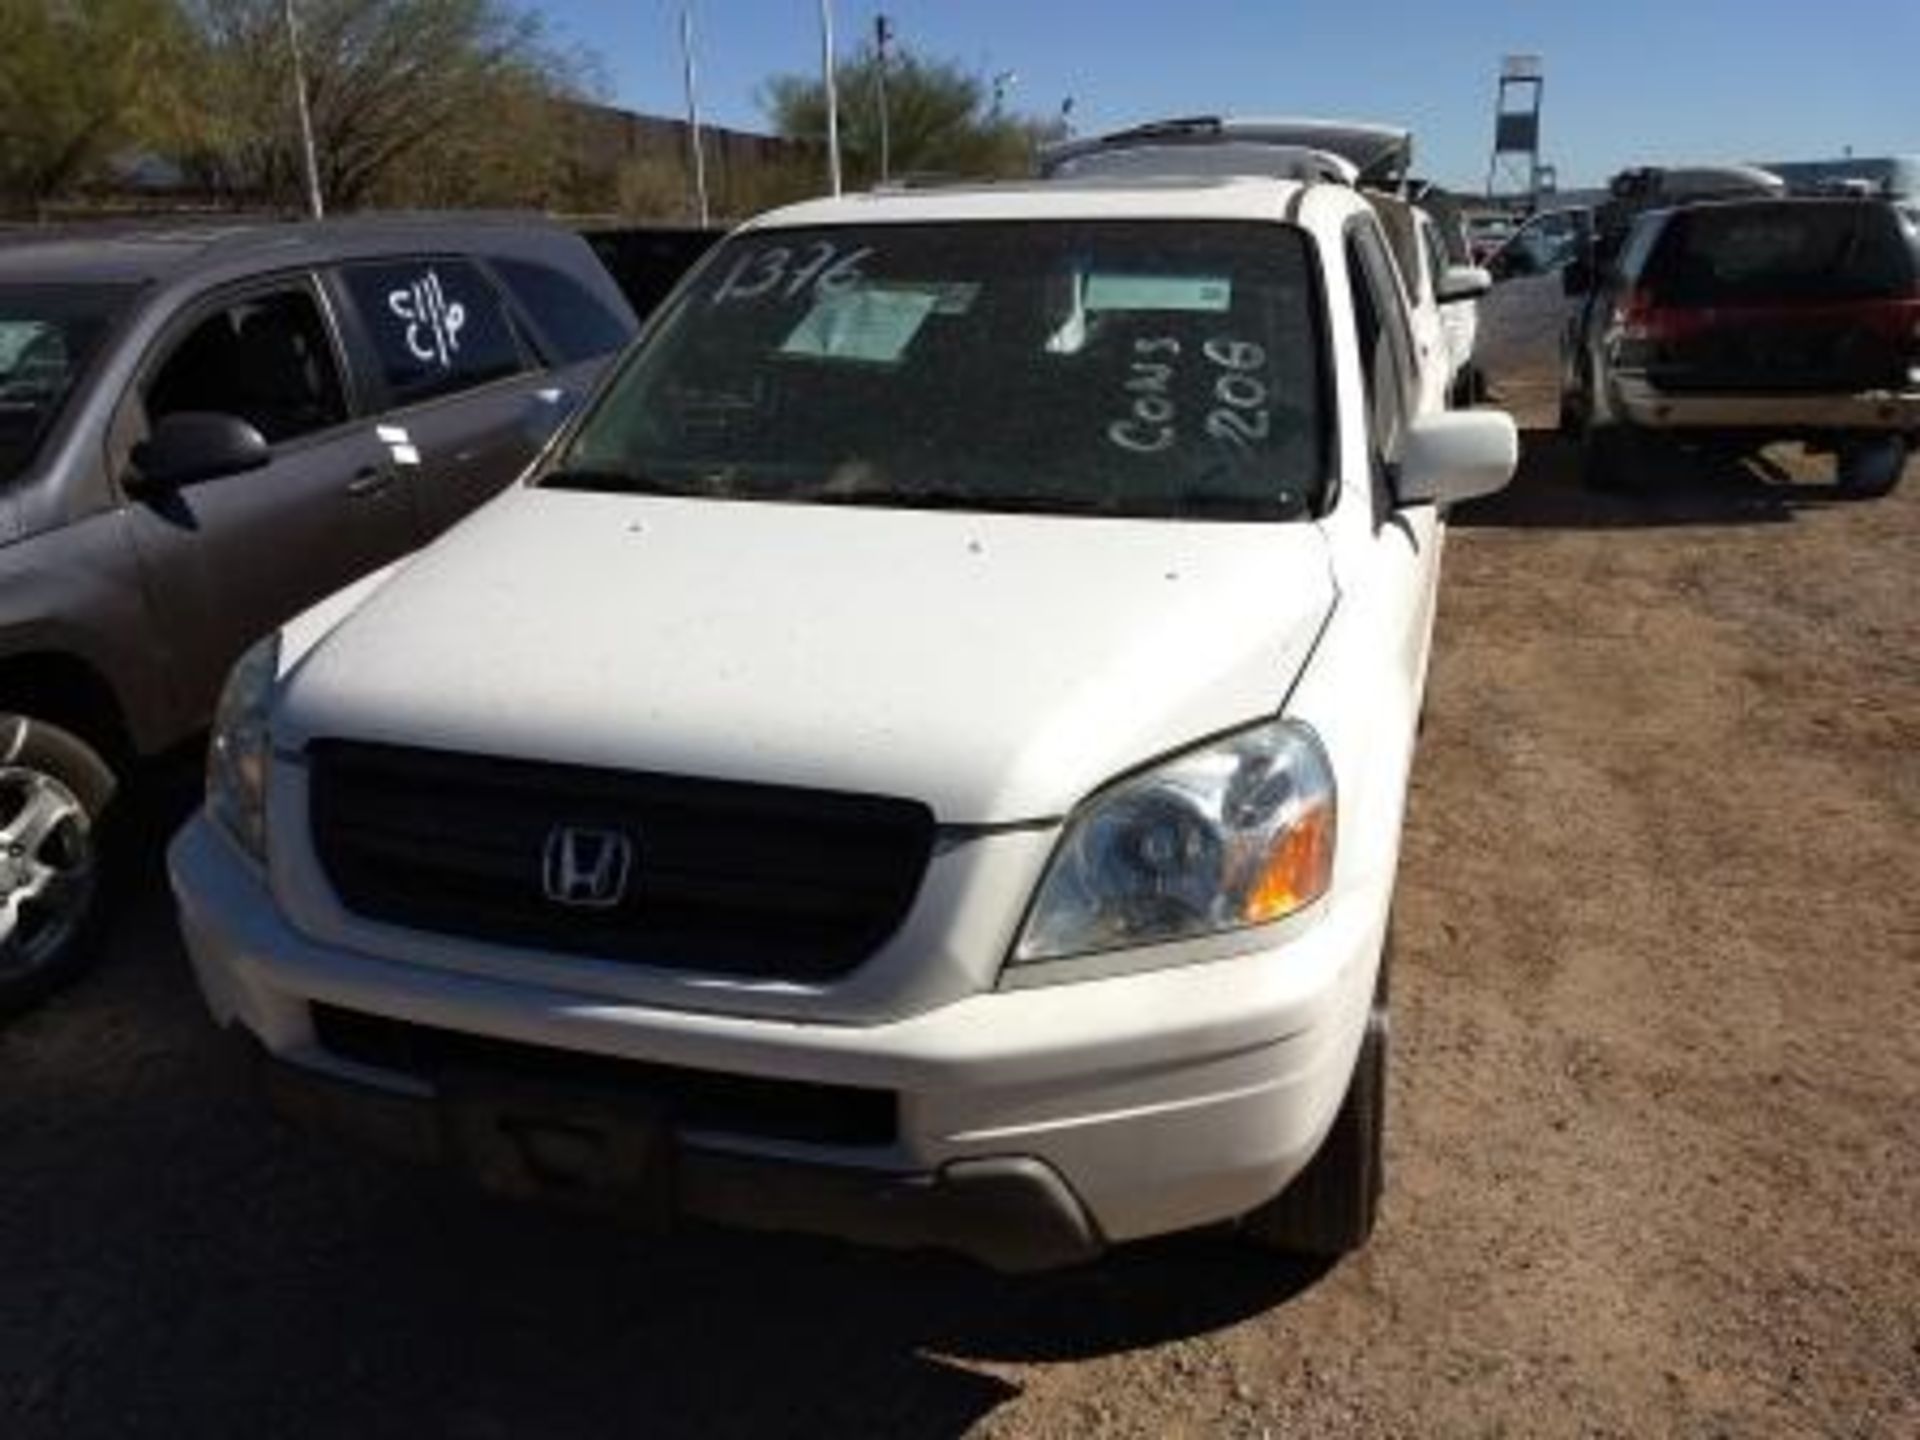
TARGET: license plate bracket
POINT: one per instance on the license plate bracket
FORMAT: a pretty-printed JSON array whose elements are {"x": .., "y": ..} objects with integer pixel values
[{"x": 587, "y": 1149}]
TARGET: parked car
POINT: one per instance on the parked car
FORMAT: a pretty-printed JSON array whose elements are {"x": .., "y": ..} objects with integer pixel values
[
  {"x": 1443, "y": 226},
  {"x": 1892, "y": 177},
  {"x": 921, "y": 759},
  {"x": 1439, "y": 293},
  {"x": 1446, "y": 305},
  {"x": 201, "y": 433},
  {"x": 1743, "y": 322}
]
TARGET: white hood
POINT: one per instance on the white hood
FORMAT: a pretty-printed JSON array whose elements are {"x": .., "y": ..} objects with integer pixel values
[{"x": 997, "y": 667}]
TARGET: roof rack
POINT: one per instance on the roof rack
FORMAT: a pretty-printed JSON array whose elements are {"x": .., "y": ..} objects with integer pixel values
[
  {"x": 1175, "y": 159},
  {"x": 1176, "y": 125},
  {"x": 1374, "y": 155}
]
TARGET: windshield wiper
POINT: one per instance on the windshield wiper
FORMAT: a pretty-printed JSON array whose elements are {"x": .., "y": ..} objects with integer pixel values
[{"x": 607, "y": 481}]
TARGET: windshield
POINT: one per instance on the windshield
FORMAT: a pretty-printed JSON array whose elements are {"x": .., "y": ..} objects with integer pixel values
[
  {"x": 47, "y": 335},
  {"x": 1123, "y": 368}
]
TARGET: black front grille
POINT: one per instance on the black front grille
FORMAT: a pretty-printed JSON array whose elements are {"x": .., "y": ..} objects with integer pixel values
[
  {"x": 743, "y": 1105},
  {"x": 727, "y": 878}
]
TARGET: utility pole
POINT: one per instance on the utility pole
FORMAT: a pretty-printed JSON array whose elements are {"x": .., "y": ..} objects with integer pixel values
[
  {"x": 693, "y": 118},
  {"x": 882, "y": 35},
  {"x": 314, "y": 206},
  {"x": 833, "y": 97}
]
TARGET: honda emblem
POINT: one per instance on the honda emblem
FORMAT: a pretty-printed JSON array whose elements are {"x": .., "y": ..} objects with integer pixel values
[{"x": 586, "y": 869}]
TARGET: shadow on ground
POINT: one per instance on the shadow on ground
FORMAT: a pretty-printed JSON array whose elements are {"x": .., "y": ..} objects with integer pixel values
[
  {"x": 177, "y": 1263},
  {"x": 1680, "y": 487}
]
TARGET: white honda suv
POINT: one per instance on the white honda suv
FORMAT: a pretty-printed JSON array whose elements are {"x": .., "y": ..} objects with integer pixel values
[{"x": 919, "y": 758}]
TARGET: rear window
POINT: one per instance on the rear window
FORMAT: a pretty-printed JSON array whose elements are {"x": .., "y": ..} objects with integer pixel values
[
  {"x": 48, "y": 334},
  {"x": 1773, "y": 253},
  {"x": 572, "y": 320},
  {"x": 1107, "y": 367},
  {"x": 437, "y": 326}
]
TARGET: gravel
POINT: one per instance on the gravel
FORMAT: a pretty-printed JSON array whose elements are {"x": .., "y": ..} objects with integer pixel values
[{"x": 1653, "y": 1140}]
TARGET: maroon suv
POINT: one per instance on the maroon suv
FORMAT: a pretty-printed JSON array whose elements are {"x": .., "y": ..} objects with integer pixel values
[{"x": 1744, "y": 322}]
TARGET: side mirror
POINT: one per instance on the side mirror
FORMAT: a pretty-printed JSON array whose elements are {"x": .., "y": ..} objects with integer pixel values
[
  {"x": 1577, "y": 277},
  {"x": 1457, "y": 456},
  {"x": 1462, "y": 282},
  {"x": 197, "y": 445}
]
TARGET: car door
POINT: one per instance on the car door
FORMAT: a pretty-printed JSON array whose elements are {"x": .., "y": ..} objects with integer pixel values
[
  {"x": 226, "y": 560},
  {"x": 1433, "y": 357},
  {"x": 1397, "y": 227},
  {"x": 456, "y": 380},
  {"x": 1402, "y": 558},
  {"x": 1521, "y": 320}
]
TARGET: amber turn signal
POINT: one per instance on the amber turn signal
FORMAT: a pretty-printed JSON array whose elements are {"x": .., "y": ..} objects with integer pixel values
[{"x": 1298, "y": 868}]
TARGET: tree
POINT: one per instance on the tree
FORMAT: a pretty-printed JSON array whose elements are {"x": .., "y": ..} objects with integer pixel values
[
  {"x": 80, "y": 80},
  {"x": 412, "y": 100},
  {"x": 940, "y": 118}
]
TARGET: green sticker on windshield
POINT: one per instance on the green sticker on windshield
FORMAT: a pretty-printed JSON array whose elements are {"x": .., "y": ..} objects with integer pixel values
[
  {"x": 1203, "y": 294},
  {"x": 868, "y": 323}
]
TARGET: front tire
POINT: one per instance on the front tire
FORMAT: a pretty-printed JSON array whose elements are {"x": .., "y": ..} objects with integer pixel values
[
  {"x": 1330, "y": 1208},
  {"x": 55, "y": 791}
]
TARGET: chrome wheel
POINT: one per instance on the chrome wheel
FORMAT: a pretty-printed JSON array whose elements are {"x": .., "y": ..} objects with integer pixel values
[{"x": 48, "y": 869}]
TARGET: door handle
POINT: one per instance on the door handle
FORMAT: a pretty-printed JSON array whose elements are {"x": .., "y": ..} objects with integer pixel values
[{"x": 369, "y": 480}]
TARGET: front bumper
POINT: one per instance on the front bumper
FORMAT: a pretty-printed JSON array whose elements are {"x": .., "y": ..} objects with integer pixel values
[
  {"x": 1033, "y": 1125},
  {"x": 1012, "y": 1213},
  {"x": 1651, "y": 408}
]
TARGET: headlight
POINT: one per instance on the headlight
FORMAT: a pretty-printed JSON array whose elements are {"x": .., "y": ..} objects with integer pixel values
[
  {"x": 237, "y": 751},
  {"x": 1238, "y": 832}
]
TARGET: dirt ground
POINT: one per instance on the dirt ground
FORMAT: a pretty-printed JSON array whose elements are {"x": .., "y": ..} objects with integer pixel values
[{"x": 1654, "y": 1120}]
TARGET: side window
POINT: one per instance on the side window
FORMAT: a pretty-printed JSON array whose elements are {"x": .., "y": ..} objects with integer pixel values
[
  {"x": 1437, "y": 261},
  {"x": 1385, "y": 346},
  {"x": 265, "y": 358},
  {"x": 437, "y": 326},
  {"x": 574, "y": 321},
  {"x": 1639, "y": 248}
]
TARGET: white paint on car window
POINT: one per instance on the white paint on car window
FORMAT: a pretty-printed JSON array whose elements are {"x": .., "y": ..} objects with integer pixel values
[
  {"x": 433, "y": 323},
  {"x": 781, "y": 272}
]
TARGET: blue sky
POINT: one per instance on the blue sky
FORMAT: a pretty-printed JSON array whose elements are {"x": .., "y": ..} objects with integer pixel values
[{"x": 1627, "y": 80}]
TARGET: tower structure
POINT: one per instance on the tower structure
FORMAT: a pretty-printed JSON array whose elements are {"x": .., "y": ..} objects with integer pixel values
[{"x": 1514, "y": 169}]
